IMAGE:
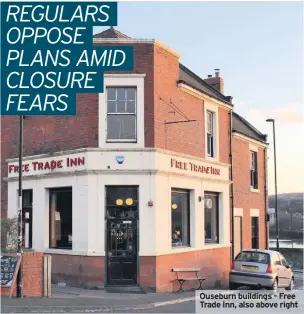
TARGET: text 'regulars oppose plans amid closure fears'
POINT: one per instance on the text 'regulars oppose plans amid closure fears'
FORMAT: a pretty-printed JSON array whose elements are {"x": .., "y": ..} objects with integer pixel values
[{"x": 48, "y": 55}]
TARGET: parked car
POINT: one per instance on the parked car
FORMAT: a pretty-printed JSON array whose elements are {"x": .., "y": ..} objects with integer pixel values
[{"x": 261, "y": 269}]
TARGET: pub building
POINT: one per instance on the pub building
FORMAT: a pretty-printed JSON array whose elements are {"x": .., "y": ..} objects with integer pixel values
[{"x": 139, "y": 181}]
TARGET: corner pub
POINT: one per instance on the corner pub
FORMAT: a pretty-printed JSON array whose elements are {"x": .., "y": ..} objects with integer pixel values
[{"x": 124, "y": 191}]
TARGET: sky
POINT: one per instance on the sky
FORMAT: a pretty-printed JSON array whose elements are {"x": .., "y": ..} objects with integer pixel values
[{"x": 258, "y": 47}]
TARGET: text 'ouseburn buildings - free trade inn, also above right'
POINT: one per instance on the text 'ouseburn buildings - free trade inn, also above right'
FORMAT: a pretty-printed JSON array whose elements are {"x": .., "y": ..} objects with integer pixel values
[{"x": 139, "y": 181}]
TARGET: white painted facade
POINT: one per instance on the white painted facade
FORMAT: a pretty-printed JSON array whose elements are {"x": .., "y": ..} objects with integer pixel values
[{"x": 150, "y": 169}]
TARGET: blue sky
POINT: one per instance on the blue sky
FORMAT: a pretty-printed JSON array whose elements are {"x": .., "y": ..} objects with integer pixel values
[{"x": 259, "y": 48}]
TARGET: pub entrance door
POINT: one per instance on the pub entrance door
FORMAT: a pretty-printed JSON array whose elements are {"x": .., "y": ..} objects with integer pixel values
[{"x": 122, "y": 222}]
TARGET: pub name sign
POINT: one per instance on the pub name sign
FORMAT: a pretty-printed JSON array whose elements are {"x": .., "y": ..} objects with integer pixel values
[
  {"x": 190, "y": 166},
  {"x": 37, "y": 165}
]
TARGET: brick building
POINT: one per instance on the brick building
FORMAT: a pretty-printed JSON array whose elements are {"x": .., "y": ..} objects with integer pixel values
[{"x": 139, "y": 181}]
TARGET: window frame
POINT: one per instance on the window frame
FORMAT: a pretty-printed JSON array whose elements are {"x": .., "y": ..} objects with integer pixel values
[
  {"x": 254, "y": 170},
  {"x": 210, "y": 135},
  {"x": 188, "y": 193},
  {"x": 217, "y": 195},
  {"x": 59, "y": 190},
  {"x": 27, "y": 208},
  {"x": 135, "y": 140}
]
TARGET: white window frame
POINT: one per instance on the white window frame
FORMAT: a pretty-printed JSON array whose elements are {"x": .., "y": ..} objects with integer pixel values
[
  {"x": 210, "y": 114},
  {"x": 254, "y": 167},
  {"x": 208, "y": 107},
  {"x": 122, "y": 80},
  {"x": 134, "y": 140}
]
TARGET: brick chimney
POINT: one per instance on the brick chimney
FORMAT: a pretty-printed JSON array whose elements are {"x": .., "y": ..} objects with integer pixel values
[{"x": 216, "y": 82}]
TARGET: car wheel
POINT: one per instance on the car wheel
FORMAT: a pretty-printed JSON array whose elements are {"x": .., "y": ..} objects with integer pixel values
[
  {"x": 291, "y": 285},
  {"x": 274, "y": 286},
  {"x": 232, "y": 286}
]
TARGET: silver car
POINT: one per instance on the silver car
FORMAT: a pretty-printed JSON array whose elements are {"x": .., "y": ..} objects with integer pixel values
[{"x": 261, "y": 269}]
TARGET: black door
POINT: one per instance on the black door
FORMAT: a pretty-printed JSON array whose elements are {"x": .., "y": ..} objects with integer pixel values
[
  {"x": 255, "y": 232},
  {"x": 122, "y": 252},
  {"x": 121, "y": 221}
]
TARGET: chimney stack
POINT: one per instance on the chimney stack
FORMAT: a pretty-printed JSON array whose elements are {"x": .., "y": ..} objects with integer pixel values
[{"x": 216, "y": 82}]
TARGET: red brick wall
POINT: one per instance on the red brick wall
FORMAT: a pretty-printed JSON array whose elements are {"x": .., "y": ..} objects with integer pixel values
[
  {"x": 243, "y": 198},
  {"x": 32, "y": 274},
  {"x": 50, "y": 134},
  {"x": 156, "y": 271},
  {"x": 80, "y": 271},
  {"x": 187, "y": 138}
]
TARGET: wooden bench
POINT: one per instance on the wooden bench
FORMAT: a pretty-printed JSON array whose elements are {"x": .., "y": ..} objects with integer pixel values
[{"x": 182, "y": 279}]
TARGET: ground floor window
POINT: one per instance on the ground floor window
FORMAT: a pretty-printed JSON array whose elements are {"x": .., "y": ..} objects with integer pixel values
[
  {"x": 255, "y": 232},
  {"x": 180, "y": 208},
  {"x": 211, "y": 217},
  {"x": 61, "y": 218}
]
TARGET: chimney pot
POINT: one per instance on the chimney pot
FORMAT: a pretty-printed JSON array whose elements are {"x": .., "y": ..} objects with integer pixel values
[
  {"x": 217, "y": 72},
  {"x": 209, "y": 75}
]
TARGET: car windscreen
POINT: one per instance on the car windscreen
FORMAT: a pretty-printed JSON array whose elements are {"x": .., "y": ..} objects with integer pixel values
[{"x": 254, "y": 257}]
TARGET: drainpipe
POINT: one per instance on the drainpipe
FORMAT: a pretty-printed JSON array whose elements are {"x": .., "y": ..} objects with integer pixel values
[
  {"x": 267, "y": 223},
  {"x": 231, "y": 189}
]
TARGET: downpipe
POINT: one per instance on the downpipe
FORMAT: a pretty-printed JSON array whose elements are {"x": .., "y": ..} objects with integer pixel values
[
  {"x": 267, "y": 217},
  {"x": 231, "y": 188}
]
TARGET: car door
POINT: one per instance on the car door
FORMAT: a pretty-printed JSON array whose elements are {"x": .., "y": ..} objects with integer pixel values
[
  {"x": 286, "y": 271},
  {"x": 278, "y": 268}
]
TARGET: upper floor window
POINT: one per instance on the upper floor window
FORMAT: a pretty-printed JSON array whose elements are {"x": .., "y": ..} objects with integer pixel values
[
  {"x": 254, "y": 170},
  {"x": 121, "y": 114},
  {"x": 210, "y": 134}
]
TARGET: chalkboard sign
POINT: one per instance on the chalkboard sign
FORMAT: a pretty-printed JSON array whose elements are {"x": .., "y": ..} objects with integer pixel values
[{"x": 9, "y": 269}]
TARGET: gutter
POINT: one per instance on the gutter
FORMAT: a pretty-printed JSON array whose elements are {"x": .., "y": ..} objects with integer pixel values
[{"x": 231, "y": 188}]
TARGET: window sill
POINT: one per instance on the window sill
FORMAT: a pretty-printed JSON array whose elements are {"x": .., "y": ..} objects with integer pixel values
[
  {"x": 254, "y": 190},
  {"x": 122, "y": 141},
  {"x": 215, "y": 246},
  {"x": 185, "y": 249},
  {"x": 71, "y": 252},
  {"x": 211, "y": 158}
]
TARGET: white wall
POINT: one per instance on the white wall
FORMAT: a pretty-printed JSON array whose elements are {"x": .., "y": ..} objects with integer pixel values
[
  {"x": 197, "y": 187},
  {"x": 40, "y": 188},
  {"x": 150, "y": 170},
  {"x": 123, "y": 80}
]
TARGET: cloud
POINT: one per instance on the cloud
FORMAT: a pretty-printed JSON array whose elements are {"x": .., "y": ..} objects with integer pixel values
[{"x": 291, "y": 114}]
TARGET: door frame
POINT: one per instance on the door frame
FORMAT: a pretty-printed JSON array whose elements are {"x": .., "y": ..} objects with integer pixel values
[
  {"x": 137, "y": 284},
  {"x": 257, "y": 231}
]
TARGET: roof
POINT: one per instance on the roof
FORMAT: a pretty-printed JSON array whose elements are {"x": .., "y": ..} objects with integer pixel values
[
  {"x": 111, "y": 33},
  {"x": 190, "y": 78},
  {"x": 243, "y": 127}
]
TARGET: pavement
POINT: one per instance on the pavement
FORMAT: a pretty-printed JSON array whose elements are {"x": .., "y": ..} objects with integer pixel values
[{"x": 77, "y": 300}]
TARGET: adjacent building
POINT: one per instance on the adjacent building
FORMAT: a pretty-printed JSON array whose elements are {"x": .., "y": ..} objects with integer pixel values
[{"x": 145, "y": 178}]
